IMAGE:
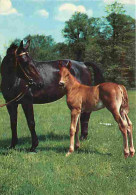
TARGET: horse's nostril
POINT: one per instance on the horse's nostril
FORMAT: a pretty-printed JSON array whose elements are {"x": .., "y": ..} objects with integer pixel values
[
  {"x": 31, "y": 82},
  {"x": 40, "y": 85}
]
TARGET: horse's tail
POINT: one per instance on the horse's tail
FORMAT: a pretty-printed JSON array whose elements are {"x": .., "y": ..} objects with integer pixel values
[{"x": 98, "y": 76}]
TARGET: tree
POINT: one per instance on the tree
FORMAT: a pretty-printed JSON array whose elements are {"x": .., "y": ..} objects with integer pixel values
[
  {"x": 0, "y": 60},
  {"x": 63, "y": 51},
  {"x": 41, "y": 47},
  {"x": 76, "y": 32},
  {"x": 114, "y": 48}
]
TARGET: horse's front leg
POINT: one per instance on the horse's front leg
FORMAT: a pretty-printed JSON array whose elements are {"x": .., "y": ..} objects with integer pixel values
[
  {"x": 77, "y": 142},
  {"x": 74, "y": 119},
  {"x": 12, "y": 110},
  {"x": 84, "y": 119},
  {"x": 29, "y": 113}
]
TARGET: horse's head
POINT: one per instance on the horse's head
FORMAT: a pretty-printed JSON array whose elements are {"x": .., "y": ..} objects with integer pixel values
[
  {"x": 25, "y": 66},
  {"x": 64, "y": 73}
]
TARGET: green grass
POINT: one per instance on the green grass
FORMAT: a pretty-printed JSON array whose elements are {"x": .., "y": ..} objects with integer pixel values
[{"x": 98, "y": 168}]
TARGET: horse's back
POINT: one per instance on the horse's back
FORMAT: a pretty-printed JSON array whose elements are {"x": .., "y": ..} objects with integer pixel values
[
  {"x": 49, "y": 71},
  {"x": 79, "y": 70}
]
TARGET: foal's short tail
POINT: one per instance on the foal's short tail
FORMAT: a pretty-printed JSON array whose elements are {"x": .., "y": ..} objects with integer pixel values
[
  {"x": 124, "y": 104},
  {"x": 98, "y": 76}
]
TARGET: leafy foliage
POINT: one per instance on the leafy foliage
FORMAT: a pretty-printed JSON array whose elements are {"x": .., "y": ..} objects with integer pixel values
[{"x": 109, "y": 41}]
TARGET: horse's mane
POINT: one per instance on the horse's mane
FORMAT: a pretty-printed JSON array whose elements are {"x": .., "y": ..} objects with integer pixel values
[{"x": 12, "y": 48}]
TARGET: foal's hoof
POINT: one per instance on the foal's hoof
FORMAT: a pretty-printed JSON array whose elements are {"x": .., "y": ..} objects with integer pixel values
[
  {"x": 126, "y": 155},
  {"x": 132, "y": 154},
  {"x": 68, "y": 154}
]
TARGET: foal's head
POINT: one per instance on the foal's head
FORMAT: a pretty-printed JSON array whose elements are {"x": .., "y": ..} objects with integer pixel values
[
  {"x": 64, "y": 73},
  {"x": 25, "y": 66}
]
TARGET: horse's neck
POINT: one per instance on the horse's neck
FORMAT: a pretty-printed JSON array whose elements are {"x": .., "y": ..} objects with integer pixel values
[{"x": 8, "y": 72}]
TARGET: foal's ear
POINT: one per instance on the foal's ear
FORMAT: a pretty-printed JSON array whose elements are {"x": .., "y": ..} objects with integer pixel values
[
  {"x": 69, "y": 65},
  {"x": 27, "y": 44},
  {"x": 60, "y": 64}
]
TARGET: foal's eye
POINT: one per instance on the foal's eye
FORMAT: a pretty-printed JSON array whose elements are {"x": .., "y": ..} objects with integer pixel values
[{"x": 67, "y": 75}]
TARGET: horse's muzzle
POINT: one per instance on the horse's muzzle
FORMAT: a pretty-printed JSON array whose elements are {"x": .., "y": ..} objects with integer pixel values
[
  {"x": 40, "y": 85},
  {"x": 34, "y": 85}
]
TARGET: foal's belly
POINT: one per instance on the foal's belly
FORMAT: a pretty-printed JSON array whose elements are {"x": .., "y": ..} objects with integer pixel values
[
  {"x": 99, "y": 106},
  {"x": 92, "y": 106}
]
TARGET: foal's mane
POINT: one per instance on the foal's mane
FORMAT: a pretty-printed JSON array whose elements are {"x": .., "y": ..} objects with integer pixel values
[{"x": 11, "y": 49}]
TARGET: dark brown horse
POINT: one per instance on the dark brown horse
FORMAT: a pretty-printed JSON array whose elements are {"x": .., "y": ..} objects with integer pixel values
[
  {"x": 19, "y": 70},
  {"x": 82, "y": 98}
]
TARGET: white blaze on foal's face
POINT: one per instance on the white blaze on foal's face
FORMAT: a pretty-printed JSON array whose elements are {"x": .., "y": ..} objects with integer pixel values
[{"x": 64, "y": 74}]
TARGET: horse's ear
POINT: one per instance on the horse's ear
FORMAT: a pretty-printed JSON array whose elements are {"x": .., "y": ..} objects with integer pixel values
[
  {"x": 21, "y": 44},
  {"x": 60, "y": 64},
  {"x": 69, "y": 65},
  {"x": 27, "y": 45}
]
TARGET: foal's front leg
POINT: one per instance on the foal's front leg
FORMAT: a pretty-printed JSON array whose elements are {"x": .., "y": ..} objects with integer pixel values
[{"x": 74, "y": 119}]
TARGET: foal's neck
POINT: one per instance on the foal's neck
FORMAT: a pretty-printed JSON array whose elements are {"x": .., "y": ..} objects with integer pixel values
[{"x": 72, "y": 83}]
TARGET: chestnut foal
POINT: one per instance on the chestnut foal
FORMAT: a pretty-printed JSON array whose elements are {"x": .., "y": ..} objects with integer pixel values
[{"x": 82, "y": 98}]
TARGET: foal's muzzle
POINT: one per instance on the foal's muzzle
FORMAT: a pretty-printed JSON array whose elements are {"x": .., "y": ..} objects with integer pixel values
[{"x": 61, "y": 84}]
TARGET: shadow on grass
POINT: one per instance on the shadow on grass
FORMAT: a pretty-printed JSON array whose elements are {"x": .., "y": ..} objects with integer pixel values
[
  {"x": 57, "y": 149},
  {"x": 61, "y": 149},
  {"x": 50, "y": 136}
]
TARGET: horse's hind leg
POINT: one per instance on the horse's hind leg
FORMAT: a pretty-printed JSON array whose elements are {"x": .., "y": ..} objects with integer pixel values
[
  {"x": 12, "y": 110},
  {"x": 130, "y": 134},
  {"x": 29, "y": 113}
]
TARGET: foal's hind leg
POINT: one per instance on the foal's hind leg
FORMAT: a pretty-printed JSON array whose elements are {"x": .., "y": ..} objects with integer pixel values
[
  {"x": 12, "y": 110},
  {"x": 123, "y": 128},
  {"x": 74, "y": 119},
  {"x": 29, "y": 113},
  {"x": 130, "y": 134}
]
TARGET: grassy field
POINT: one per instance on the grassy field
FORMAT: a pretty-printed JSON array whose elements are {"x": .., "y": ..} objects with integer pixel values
[{"x": 98, "y": 168}]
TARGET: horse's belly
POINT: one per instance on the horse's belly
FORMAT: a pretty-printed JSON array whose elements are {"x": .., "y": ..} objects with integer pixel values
[{"x": 47, "y": 96}]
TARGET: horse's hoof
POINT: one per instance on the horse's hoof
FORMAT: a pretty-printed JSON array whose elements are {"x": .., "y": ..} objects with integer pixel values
[
  {"x": 83, "y": 137},
  {"x": 11, "y": 147},
  {"x": 33, "y": 150},
  {"x": 35, "y": 143}
]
